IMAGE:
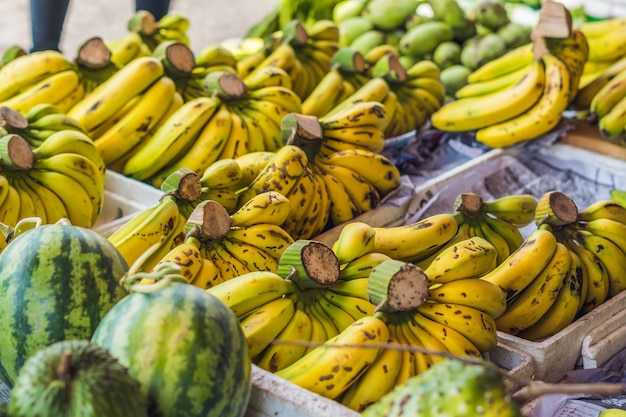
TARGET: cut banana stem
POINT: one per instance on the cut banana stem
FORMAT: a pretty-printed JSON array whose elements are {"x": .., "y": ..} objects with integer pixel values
[
  {"x": 210, "y": 219},
  {"x": 177, "y": 58},
  {"x": 15, "y": 153},
  {"x": 225, "y": 85},
  {"x": 348, "y": 60},
  {"x": 315, "y": 264},
  {"x": 93, "y": 54},
  {"x": 390, "y": 68},
  {"x": 397, "y": 286},
  {"x": 556, "y": 209},
  {"x": 12, "y": 118},
  {"x": 296, "y": 128},
  {"x": 470, "y": 204},
  {"x": 184, "y": 184}
]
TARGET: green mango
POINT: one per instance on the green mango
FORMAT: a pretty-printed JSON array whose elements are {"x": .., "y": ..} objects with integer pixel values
[
  {"x": 514, "y": 34},
  {"x": 454, "y": 77},
  {"x": 368, "y": 40},
  {"x": 389, "y": 14},
  {"x": 348, "y": 8},
  {"x": 447, "y": 53},
  {"x": 352, "y": 28},
  {"x": 423, "y": 39},
  {"x": 491, "y": 14}
]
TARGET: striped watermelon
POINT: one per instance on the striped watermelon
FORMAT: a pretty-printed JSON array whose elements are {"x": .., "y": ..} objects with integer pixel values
[
  {"x": 56, "y": 283},
  {"x": 185, "y": 347}
]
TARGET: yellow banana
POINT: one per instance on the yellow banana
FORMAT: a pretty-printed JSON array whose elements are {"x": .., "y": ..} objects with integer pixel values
[
  {"x": 250, "y": 165},
  {"x": 340, "y": 318},
  {"x": 607, "y": 228},
  {"x": 267, "y": 77},
  {"x": 483, "y": 111},
  {"x": 477, "y": 293},
  {"x": 342, "y": 364},
  {"x": 609, "y": 95},
  {"x": 596, "y": 275},
  {"x": 282, "y": 57},
  {"x": 533, "y": 301},
  {"x": 468, "y": 258},
  {"x": 53, "y": 205},
  {"x": 367, "y": 137},
  {"x": 138, "y": 122},
  {"x": 263, "y": 324},
  {"x": 106, "y": 99},
  {"x": 356, "y": 307},
  {"x": 408, "y": 367},
  {"x": 378, "y": 379},
  {"x": 318, "y": 330},
  {"x": 362, "y": 266},
  {"x": 565, "y": 307},
  {"x": 30, "y": 69},
  {"x": 77, "y": 201},
  {"x": 515, "y": 59},
  {"x": 70, "y": 141},
  {"x": 594, "y": 29},
  {"x": 253, "y": 258},
  {"x": 301, "y": 197},
  {"x": 518, "y": 209},
  {"x": 524, "y": 264},
  {"x": 481, "y": 88},
  {"x": 268, "y": 237},
  {"x": 285, "y": 98},
  {"x": 613, "y": 123},
  {"x": 415, "y": 240},
  {"x": 356, "y": 287},
  {"x": 316, "y": 218},
  {"x": 177, "y": 134},
  {"x": 10, "y": 207},
  {"x": 541, "y": 117},
  {"x": 342, "y": 208},
  {"x": 325, "y": 95},
  {"x": 421, "y": 359},
  {"x": 478, "y": 327},
  {"x": 188, "y": 256},
  {"x": 374, "y": 167},
  {"x": 355, "y": 240},
  {"x": 83, "y": 171},
  {"x": 49, "y": 90},
  {"x": 252, "y": 290},
  {"x": 234, "y": 267},
  {"x": 278, "y": 356},
  {"x": 481, "y": 228},
  {"x": 226, "y": 197},
  {"x": 362, "y": 192},
  {"x": 455, "y": 342},
  {"x": 607, "y": 47},
  {"x": 373, "y": 90},
  {"x": 603, "y": 209},
  {"x": 269, "y": 207},
  {"x": 363, "y": 113},
  {"x": 280, "y": 174},
  {"x": 223, "y": 173},
  {"x": 173, "y": 238},
  {"x": 30, "y": 205},
  {"x": 508, "y": 231},
  {"x": 125, "y": 49},
  {"x": 238, "y": 141},
  {"x": 435, "y": 347},
  {"x": 208, "y": 275}
]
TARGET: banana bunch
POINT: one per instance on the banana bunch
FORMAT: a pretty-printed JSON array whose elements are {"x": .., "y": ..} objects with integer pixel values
[
  {"x": 126, "y": 48},
  {"x": 337, "y": 155},
  {"x": 305, "y": 53},
  {"x": 230, "y": 121},
  {"x": 44, "y": 77},
  {"x": 63, "y": 177},
  {"x": 94, "y": 64},
  {"x": 534, "y": 103},
  {"x": 171, "y": 27},
  {"x": 607, "y": 106}
]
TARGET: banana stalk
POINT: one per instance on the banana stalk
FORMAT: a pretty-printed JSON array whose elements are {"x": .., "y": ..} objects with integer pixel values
[{"x": 309, "y": 264}]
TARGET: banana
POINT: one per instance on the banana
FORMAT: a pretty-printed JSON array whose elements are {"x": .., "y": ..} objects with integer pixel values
[
  {"x": 147, "y": 228},
  {"x": 30, "y": 205},
  {"x": 524, "y": 264},
  {"x": 279, "y": 355},
  {"x": 541, "y": 117},
  {"x": 430, "y": 84},
  {"x": 342, "y": 207},
  {"x": 106, "y": 99},
  {"x": 267, "y": 77},
  {"x": 173, "y": 137},
  {"x": 363, "y": 193},
  {"x": 253, "y": 258},
  {"x": 533, "y": 301},
  {"x": 478, "y": 327},
  {"x": 481, "y": 88},
  {"x": 612, "y": 124},
  {"x": 608, "y": 47},
  {"x": 472, "y": 292},
  {"x": 415, "y": 240},
  {"x": 273, "y": 115},
  {"x": 280, "y": 174},
  {"x": 233, "y": 265},
  {"x": 173, "y": 238},
  {"x": 77, "y": 200},
  {"x": 83, "y": 171},
  {"x": 508, "y": 231},
  {"x": 55, "y": 121},
  {"x": 263, "y": 132},
  {"x": 49, "y": 90},
  {"x": 54, "y": 207},
  {"x": 587, "y": 92},
  {"x": 356, "y": 307},
  {"x": 224, "y": 173},
  {"x": 515, "y": 59},
  {"x": 362, "y": 113},
  {"x": 483, "y": 111},
  {"x": 325, "y": 95},
  {"x": 10, "y": 207},
  {"x": 378, "y": 379},
  {"x": 99, "y": 130},
  {"x": 609, "y": 95},
  {"x": 421, "y": 358},
  {"x": 408, "y": 367},
  {"x": 607, "y": 228},
  {"x": 434, "y": 347},
  {"x": 135, "y": 125},
  {"x": 341, "y": 364},
  {"x": 355, "y": 240},
  {"x": 374, "y": 167},
  {"x": 316, "y": 218},
  {"x": 301, "y": 198},
  {"x": 594, "y": 29},
  {"x": 565, "y": 307},
  {"x": 318, "y": 313},
  {"x": 340, "y": 318},
  {"x": 70, "y": 141},
  {"x": 250, "y": 165},
  {"x": 125, "y": 49},
  {"x": 603, "y": 209},
  {"x": 283, "y": 97},
  {"x": 454, "y": 342},
  {"x": 263, "y": 324},
  {"x": 245, "y": 293},
  {"x": 481, "y": 228},
  {"x": 226, "y": 197},
  {"x": 238, "y": 141},
  {"x": 518, "y": 209},
  {"x": 188, "y": 256},
  {"x": 468, "y": 258},
  {"x": 356, "y": 287},
  {"x": 270, "y": 207},
  {"x": 30, "y": 69},
  {"x": 596, "y": 275},
  {"x": 612, "y": 256},
  {"x": 367, "y": 137},
  {"x": 362, "y": 266},
  {"x": 267, "y": 237},
  {"x": 283, "y": 56},
  {"x": 318, "y": 330},
  {"x": 374, "y": 90}
]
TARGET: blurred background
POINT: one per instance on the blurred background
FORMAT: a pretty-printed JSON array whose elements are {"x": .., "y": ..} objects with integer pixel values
[{"x": 211, "y": 20}]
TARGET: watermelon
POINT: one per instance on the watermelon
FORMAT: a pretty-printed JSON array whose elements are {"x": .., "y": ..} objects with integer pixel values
[
  {"x": 57, "y": 281},
  {"x": 185, "y": 347}
]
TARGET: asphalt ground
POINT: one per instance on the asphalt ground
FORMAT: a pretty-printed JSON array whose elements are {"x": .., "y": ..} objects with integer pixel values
[{"x": 211, "y": 20}]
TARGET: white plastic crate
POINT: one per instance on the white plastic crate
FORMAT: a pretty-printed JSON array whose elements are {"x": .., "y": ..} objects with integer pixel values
[{"x": 605, "y": 341}]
